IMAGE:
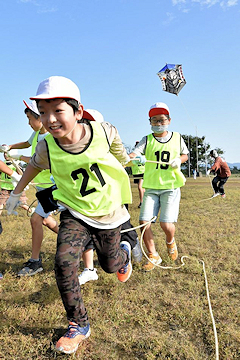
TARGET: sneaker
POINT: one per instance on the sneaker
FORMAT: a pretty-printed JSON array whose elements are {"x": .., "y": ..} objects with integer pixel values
[
  {"x": 125, "y": 272},
  {"x": 215, "y": 194},
  {"x": 31, "y": 268},
  {"x": 87, "y": 275},
  {"x": 172, "y": 250},
  {"x": 155, "y": 260},
  {"x": 137, "y": 252},
  {"x": 69, "y": 342},
  {"x": 223, "y": 195}
]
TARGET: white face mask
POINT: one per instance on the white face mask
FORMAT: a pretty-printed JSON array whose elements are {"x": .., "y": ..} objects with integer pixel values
[{"x": 159, "y": 129}]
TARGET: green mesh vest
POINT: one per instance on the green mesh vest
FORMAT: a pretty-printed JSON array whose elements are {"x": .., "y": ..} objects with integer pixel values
[
  {"x": 6, "y": 182},
  {"x": 43, "y": 178},
  {"x": 160, "y": 176},
  {"x": 92, "y": 182},
  {"x": 138, "y": 169}
]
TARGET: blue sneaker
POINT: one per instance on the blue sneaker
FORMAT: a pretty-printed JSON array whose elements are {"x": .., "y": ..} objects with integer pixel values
[
  {"x": 125, "y": 272},
  {"x": 75, "y": 334}
]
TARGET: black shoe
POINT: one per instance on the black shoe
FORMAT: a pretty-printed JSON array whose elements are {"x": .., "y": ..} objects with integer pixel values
[
  {"x": 139, "y": 205},
  {"x": 31, "y": 268}
]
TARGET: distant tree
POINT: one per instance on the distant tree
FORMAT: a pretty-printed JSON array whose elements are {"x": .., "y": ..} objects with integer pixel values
[
  {"x": 198, "y": 152},
  {"x": 235, "y": 170},
  {"x": 198, "y": 149}
]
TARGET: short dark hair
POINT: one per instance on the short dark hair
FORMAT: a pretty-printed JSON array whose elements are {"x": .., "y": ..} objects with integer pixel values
[
  {"x": 27, "y": 110},
  {"x": 71, "y": 102}
]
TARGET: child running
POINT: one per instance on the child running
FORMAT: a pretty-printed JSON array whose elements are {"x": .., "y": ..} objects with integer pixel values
[
  {"x": 92, "y": 187},
  {"x": 221, "y": 169},
  {"x": 42, "y": 181},
  {"x": 164, "y": 151},
  {"x": 90, "y": 273}
]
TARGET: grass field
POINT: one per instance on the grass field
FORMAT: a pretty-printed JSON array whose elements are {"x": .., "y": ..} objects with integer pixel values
[{"x": 162, "y": 314}]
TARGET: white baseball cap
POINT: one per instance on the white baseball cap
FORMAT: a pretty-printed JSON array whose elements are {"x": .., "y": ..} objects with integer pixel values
[
  {"x": 158, "y": 109},
  {"x": 91, "y": 114},
  {"x": 57, "y": 87},
  {"x": 32, "y": 106}
]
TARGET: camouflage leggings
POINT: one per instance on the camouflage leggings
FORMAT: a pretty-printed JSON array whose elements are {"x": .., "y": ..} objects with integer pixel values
[{"x": 73, "y": 236}]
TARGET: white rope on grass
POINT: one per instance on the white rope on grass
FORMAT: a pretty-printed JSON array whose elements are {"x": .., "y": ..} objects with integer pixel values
[{"x": 178, "y": 267}]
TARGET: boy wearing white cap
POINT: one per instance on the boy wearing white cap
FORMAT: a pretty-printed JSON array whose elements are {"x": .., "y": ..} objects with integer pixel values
[
  {"x": 42, "y": 181},
  {"x": 164, "y": 152},
  {"x": 92, "y": 187}
]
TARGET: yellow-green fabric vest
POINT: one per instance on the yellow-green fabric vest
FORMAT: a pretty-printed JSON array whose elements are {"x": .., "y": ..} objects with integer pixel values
[
  {"x": 43, "y": 178},
  {"x": 158, "y": 176},
  {"x": 6, "y": 182},
  {"x": 92, "y": 182},
  {"x": 138, "y": 169}
]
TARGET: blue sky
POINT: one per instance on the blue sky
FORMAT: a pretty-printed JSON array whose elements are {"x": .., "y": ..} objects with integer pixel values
[{"x": 113, "y": 49}]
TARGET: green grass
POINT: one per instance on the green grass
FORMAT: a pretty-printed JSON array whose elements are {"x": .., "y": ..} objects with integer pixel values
[{"x": 158, "y": 315}]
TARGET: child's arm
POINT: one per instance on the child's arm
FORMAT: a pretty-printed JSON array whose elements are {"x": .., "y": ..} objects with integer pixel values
[
  {"x": 24, "y": 158},
  {"x": 13, "y": 174},
  {"x": 4, "y": 168},
  {"x": 28, "y": 175},
  {"x": 13, "y": 200},
  {"x": 20, "y": 145},
  {"x": 184, "y": 158}
]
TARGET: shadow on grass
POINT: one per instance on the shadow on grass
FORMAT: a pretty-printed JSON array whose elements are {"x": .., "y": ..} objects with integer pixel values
[{"x": 20, "y": 255}]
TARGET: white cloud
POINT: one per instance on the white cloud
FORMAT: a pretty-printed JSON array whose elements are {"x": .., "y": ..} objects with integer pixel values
[
  {"x": 169, "y": 19},
  {"x": 177, "y": 2},
  {"x": 208, "y": 3},
  {"x": 232, "y": 2},
  {"x": 29, "y": 1},
  {"x": 47, "y": 8}
]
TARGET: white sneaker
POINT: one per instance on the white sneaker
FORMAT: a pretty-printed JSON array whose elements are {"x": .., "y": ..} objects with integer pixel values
[
  {"x": 215, "y": 194},
  {"x": 87, "y": 275},
  {"x": 137, "y": 252}
]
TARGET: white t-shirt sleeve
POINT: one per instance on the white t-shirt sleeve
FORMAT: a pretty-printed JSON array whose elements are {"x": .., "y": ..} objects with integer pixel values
[
  {"x": 141, "y": 147},
  {"x": 30, "y": 140},
  {"x": 184, "y": 149}
]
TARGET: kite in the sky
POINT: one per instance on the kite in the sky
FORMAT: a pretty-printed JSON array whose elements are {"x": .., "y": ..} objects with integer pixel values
[{"x": 172, "y": 78}]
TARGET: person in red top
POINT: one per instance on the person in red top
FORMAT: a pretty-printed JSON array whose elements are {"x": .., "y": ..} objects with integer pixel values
[{"x": 222, "y": 171}]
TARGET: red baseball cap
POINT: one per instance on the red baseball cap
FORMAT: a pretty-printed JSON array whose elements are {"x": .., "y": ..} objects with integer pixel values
[{"x": 158, "y": 109}]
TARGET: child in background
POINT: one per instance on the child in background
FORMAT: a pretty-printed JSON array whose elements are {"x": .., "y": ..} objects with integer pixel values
[
  {"x": 39, "y": 217},
  {"x": 90, "y": 273},
  {"x": 8, "y": 176},
  {"x": 138, "y": 172},
  {"x": 15, "y": 177},
  {"x": 221, "y": 168},
  {"x": 162, "y": 181},
  {"x": 92, "y": 187},
  {"x": 7, "y": 186}
]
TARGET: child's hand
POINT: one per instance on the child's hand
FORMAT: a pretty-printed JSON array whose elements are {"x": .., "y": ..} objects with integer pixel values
[
  {"x": 140, "y": 159},
  {"x": 4, "y": 148},
  {"x": 12, "y": 203},
  {"x": 15, "y": 178},
  {"x": 175, "y": 163},
  {"x": 208, "y": 172}
]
